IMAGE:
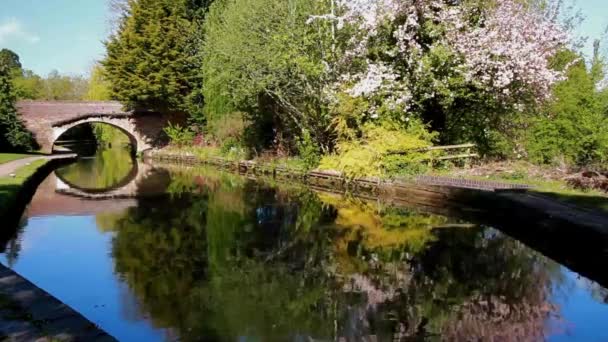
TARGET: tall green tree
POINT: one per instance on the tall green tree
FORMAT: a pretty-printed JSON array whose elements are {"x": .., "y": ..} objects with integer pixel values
[
  {"x": 13, "y": 134},
  {"x": 9, "y": 59},
  {"x": 266, "y": 59},
  {"x": 574, "y": 126},
  {"x": 99, "y": 87},
  {"x": 151, "y": 60}
]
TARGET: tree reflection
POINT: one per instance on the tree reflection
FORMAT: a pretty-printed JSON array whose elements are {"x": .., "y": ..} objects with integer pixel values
[
  {"x": 108, "y": 168},
  {"x": 223, "y": 258}
]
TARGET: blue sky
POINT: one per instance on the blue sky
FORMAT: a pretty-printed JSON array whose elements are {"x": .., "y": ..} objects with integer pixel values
[
  {"x": 67, "y": 35},
  {"x": 54, "y": 34}
]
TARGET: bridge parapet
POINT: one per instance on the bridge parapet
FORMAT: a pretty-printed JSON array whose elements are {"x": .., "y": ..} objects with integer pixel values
[{"x": 48, "y": 120}]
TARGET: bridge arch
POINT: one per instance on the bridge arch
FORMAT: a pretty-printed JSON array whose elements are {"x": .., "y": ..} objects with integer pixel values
[
  {"x": 122, "y": 123},
  {"x": 48, "y": 120}
]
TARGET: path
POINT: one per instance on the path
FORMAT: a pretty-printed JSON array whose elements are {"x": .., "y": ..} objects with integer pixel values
[
  {"x": 11, "y": 167},
  {"x": 31, "y": 314}
]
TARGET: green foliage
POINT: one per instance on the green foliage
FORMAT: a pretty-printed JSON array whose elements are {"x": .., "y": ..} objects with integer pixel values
[
  {"x": 64, "y": 87},
  {"x": 106, "y": 134},
  {"x": 151, "y": 61},
  {"x": 260, "y": 57},
  {"x": 29, "y": 86},
  {"x": 573, "y": 129},
  {"x": 231, "y": 127},
  {"x": 13, "y": 134},
  {"x": 99, "y": 88},
  {"x": 9, "y": 59},
  {"x": 55, "y": 87},
  {"x": 383, "y": 150},
  {"x": 308, "y": 151},
  {"x": 178, "y": 135}
]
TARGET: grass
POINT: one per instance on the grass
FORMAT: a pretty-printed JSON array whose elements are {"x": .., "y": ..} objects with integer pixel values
[
  {"x": 521, "y": 173},
  {"x": 557, "y": 189},
  {"x": 8, "y": 157},
  {"x": 10, "y": 186},
  {"x": 208, "y": 152}
]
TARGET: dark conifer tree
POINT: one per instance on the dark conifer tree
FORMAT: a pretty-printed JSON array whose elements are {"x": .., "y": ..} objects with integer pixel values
[
  {"x": 13, "y": 134},
  {"x": 152, "y": 60}
]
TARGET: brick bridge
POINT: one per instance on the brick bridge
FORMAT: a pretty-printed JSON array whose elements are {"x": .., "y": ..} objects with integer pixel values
[{"x": 48, "y": 120}]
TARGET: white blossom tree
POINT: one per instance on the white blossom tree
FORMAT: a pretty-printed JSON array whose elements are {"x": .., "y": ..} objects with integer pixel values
[{"x": 405, "y": 54}]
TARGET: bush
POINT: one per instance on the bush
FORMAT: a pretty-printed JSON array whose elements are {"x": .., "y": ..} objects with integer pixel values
[
  {"x": 383, "y": 150},
  {"x": 230, "y": 127},
  {"x": 574, "y": 127},
  {"x": 179, "y": 136},
  {"x": 308, "y": 151}
]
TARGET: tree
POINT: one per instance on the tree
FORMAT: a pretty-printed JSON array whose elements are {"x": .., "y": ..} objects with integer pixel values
[
  {"x": 9, "y": 59},
  {"x": 13, "y": 134},
  {"x": 464, "y": 67},
  {"x": 150, "y": 60},
  {"x": 99, "y": 87},
  {"x": 59, "y": 87},
  {"x": 574, "y": 126},
  {"x": 29, "y": 86},
  {"x": 263, "y": 58}
]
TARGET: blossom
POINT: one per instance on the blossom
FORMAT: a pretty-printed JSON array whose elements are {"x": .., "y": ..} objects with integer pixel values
[
  {"x": 511, "y": 51},
  {"x": 505, "y": 53}
]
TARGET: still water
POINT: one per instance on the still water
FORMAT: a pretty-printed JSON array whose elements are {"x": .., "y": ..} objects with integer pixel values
[{"x": 205, "y": 255}]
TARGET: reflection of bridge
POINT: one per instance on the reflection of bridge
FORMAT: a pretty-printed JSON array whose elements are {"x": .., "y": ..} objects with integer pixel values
[
  {"x": 48, "y": 120},
  {"x": 129, "y": 187},
  {"x": 58, "y": 197}
]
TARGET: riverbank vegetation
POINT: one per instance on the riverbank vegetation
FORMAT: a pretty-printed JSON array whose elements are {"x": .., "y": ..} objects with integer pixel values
[
  {"x": 11, "y": 186},
  {"x": 365, "y": 87},
  {"x": 14, "y": 137},
  {"x": 361, "y": 87},
  {"x": 8, "y": 157}
]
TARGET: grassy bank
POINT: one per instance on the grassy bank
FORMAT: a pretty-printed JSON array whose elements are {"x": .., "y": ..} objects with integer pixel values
[
  {"x": 205, "y": 153},
  {"x": 545, "y": 181},
  {"x": 8, "y": 157},
  {"x": 10, "y": 186}
]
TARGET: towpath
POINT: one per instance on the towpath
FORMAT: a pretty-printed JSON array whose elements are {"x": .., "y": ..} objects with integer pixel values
[{"x": 6, "y": 169}]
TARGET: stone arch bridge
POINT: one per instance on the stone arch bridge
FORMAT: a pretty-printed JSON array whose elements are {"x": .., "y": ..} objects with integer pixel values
[{"x": 48, "y": 120}]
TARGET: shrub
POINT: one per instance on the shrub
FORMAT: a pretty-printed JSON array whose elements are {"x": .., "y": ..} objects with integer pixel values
[
  {"x": 309, "y": 151},
  {"x": 574, "y": 127},
  {"x": 178, "y": 135},
  {"x": 383, "y": 150},
  {"x": 230, "y": 127}
]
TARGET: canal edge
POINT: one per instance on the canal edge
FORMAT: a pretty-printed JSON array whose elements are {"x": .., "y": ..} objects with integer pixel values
[
  {"x": 27, "y": 312},
  {"x": 474, "y": 193}
]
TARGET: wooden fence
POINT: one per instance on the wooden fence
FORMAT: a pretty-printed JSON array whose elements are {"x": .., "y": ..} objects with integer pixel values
[{"x": 451, "y": 152}]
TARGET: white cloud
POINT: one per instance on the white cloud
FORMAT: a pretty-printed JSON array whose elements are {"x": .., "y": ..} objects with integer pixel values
[{"x": 13, "y": 29}]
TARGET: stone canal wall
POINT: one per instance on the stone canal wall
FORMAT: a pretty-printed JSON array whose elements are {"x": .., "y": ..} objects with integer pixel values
[
  {"x": 575, "y": 237},
  {"x": 28, "y": 313}
]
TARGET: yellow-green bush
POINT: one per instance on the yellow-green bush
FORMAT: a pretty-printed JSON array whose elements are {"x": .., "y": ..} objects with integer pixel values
[{"x": 383, "y": 150}]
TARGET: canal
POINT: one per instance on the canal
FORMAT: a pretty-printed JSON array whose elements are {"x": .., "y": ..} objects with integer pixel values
[{"x": 166, "y": 253}]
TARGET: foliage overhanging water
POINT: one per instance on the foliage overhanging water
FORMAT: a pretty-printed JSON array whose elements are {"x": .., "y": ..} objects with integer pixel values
[{"x": 206, "y": 255}]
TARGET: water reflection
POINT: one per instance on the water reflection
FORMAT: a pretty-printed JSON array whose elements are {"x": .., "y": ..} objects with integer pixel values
[
  {"x": 108, "y": 168},
  {"x": 225, "y": 258}
]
